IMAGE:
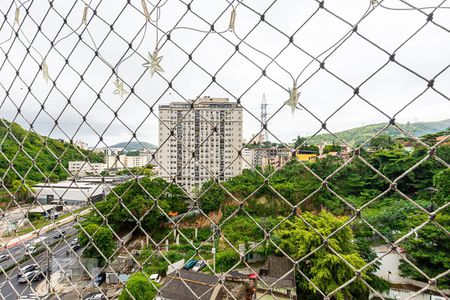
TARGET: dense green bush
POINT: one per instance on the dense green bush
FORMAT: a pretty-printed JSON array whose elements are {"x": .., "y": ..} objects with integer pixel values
[
  {"x": 226, "y": 259},
  {"x": 138, "y": 287},
  {"x": 102, "y": 245},
  {"x": 325, "y": 269},
  {"x": 429, "y": 251},
  {"x": 138, "y": 203}
]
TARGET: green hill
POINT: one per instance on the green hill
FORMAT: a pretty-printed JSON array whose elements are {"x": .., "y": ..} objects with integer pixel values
[
  {"x": 356, "y": 136},
  {"x": 12, "y": 134},
  {"x": 133, "y": 146}
]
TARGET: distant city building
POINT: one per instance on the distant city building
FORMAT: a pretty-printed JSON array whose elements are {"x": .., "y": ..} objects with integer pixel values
[
  {"x": 82, "y": 168},
  {"x": 112, "y": 163},
  {"x": 248, "y": 156},
  {"x": 444, "y": 139},
  {"x": 81, "y": 144},
  {"x": 305, "y": 156},
  {"x": 343, "y": 153},
  {"x": 147, "y": 152},
  {"x": 137, "y": 161},
  {"x": 105, "y": 151},
  {"x": 274, "y": 157},
  {"x": 120, "y": 162},
  {"x": 263, "y": 157},
  {"x": 257, "y": 138},
  {"x": 200, "y": 142}
]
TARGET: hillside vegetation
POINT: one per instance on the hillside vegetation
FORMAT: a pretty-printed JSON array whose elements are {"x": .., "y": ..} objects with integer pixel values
[
  {"x": 290, "y": 205},
  {"x": 357, "y": 136},
  {"x": 33, "y": 148}
]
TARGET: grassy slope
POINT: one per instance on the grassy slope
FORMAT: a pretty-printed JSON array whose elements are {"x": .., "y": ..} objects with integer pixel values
[
  {"x": 33, "y": 147},
  {"x": 358, "y": 135}
]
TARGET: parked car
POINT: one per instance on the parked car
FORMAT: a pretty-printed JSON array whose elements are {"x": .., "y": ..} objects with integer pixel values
[
  {"x": 74, "y": 242},
  {"x": 100, "y": 278},
  {"x": 27, "y": 269},
  {"x": 155, "y": 278},
  {"x": 199, "y": 266},
  {"x": 190, "y": 264},
  {"x": 28, "y": 276},
  {"x": 96, "y": 296},
  {"x": 4, "y": 257},
  {"x": 40, "y": 275}
]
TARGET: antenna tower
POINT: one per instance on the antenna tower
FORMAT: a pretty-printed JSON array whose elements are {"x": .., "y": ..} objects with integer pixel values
[{"x": 264, "y": 117}]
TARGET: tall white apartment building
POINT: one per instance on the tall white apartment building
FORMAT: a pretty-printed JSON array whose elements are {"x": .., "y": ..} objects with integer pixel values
[{"x": 199, "y": 139}]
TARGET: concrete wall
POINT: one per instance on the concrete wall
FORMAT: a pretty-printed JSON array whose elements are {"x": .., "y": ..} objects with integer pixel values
[
  {"x": 175, "y": 266},
  {"x": 403, "y": 294},
  {"x": 389, "y": 270}
]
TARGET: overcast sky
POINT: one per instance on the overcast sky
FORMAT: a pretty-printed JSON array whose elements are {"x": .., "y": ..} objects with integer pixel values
[{"x": 427, "y": 53}]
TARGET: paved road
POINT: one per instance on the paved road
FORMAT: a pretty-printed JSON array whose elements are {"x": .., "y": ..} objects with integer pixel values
[
  {"x": 18, "y": 251},
  {"x": 11, "y": 289}
]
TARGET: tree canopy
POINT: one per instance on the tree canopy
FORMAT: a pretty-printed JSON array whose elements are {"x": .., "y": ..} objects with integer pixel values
[
  {"x": 139, "y": 287},
  {"x": 429, "y": 251},
  {"x": 102, "y": 245},
  {"x": 324, "y": 268},
  {"x": 145, "y": 200}
]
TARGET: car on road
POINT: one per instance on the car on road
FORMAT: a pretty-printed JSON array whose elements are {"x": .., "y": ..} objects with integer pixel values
[
  {"x": 40, "y": 275},
  {"x": 74, "y": 242},
  {"x": 73, "y": 248},
  {"x": 60, "y": 235},
  {"x": 26, "y": 269},
  {"x": 190, "y": 264},
  {"x": 99, "y": 279},
  {"x": 28, "y": 276},
  {"x": 53, "y": 216},
  {"x": 4, "y": 257},
  {"x": 199, "y": 266},
  {"x": 96, "y": 296},
  {"x": 30, "y": 250},
  {"x": 155, "y": 278}
]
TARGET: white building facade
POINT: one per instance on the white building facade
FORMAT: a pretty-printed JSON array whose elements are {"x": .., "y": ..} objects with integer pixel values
[
  {"x": 82, "y": 168},
  {"x": 248, "y": 157},
  {"x": 199, "y": 139},
  {"x": 70, "y": 192},
  {"x": 123, "y": 161}
]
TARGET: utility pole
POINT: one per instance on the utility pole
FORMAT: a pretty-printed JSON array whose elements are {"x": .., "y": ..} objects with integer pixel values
[
  {"x": 213, "y": 249},
  {"x": 432, "y": 190},
  {"x": 48, "y": 274}
]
